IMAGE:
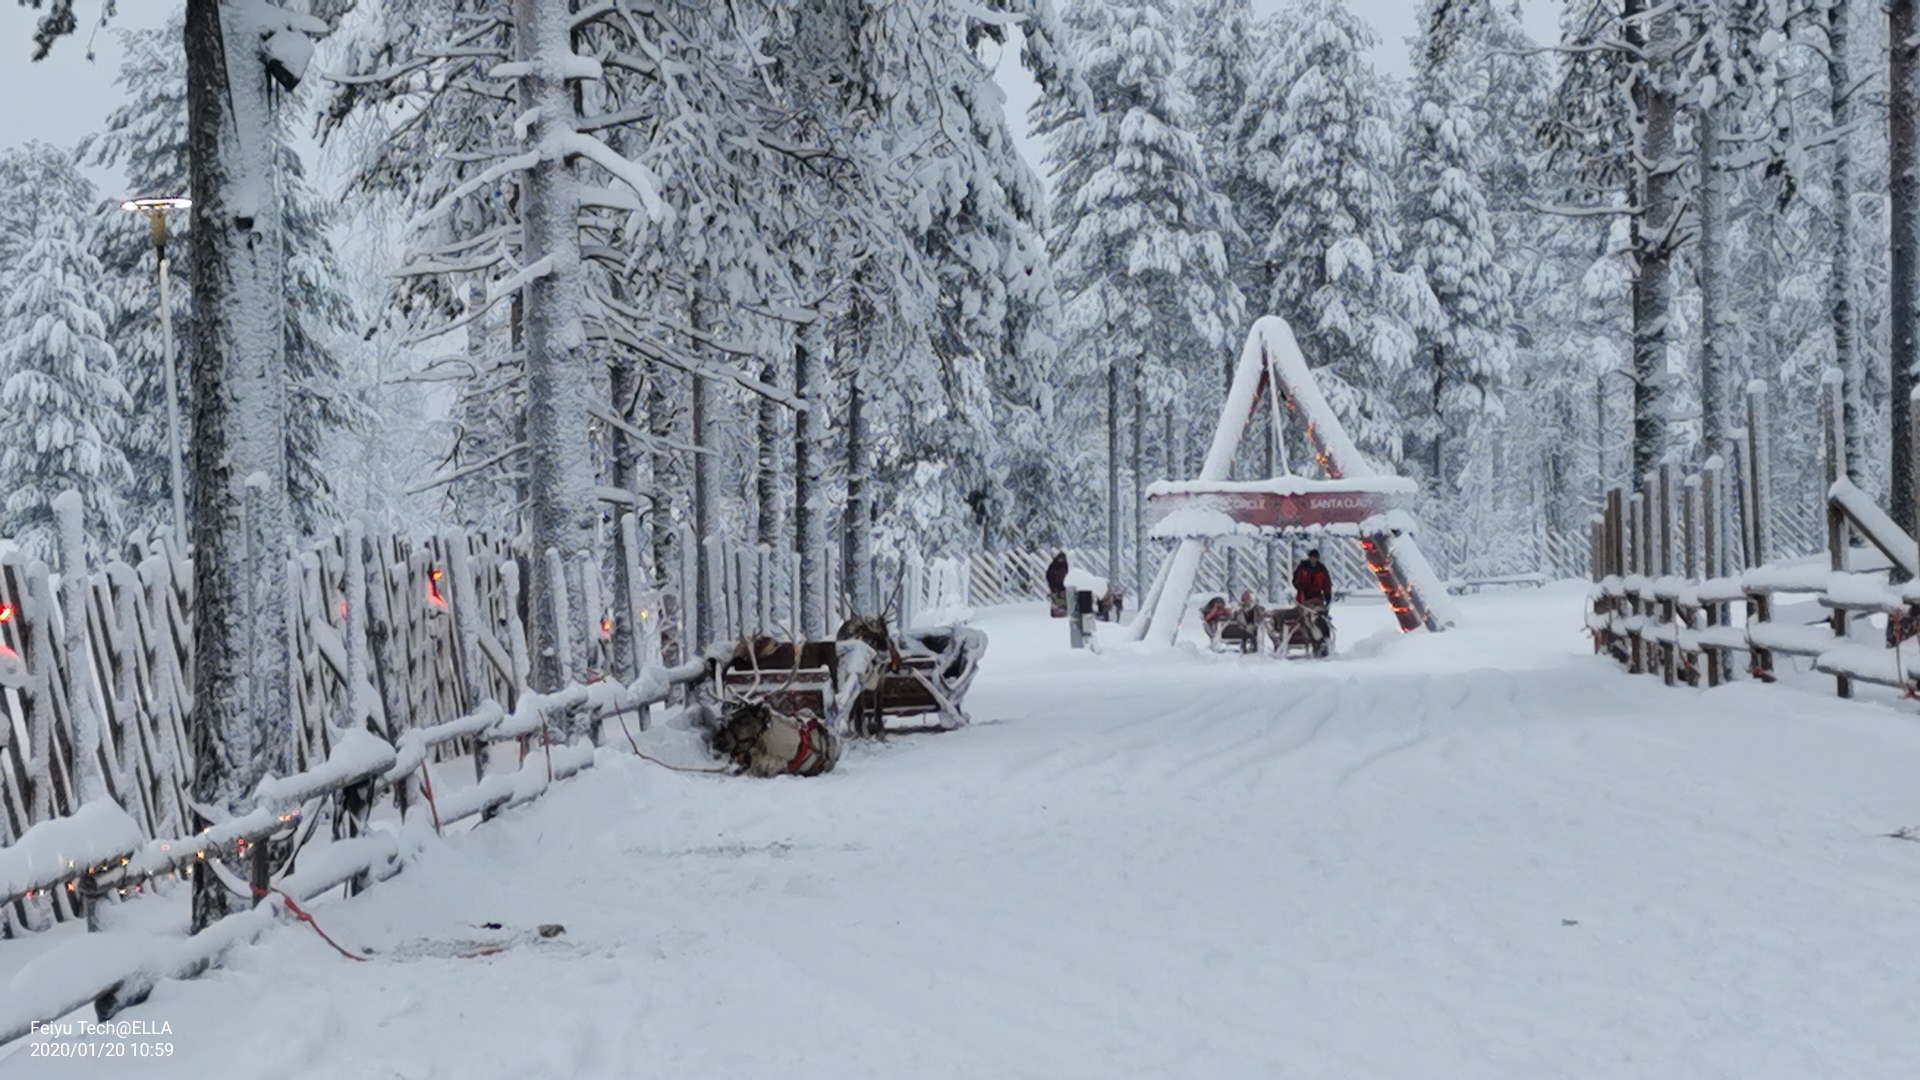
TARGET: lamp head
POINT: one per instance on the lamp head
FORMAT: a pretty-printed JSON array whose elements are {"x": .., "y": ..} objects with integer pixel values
[{"x": 157, "y": 204}]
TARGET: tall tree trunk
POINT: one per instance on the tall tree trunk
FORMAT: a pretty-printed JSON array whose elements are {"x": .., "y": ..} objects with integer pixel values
[
  {"x": 1438, "y": 450},
  {"x": 240, "y": 406},
  {"x": 856, "y": 552},
  {"x": 1113, "y": 468},
  {"x": 623, "y": 472},
  {"x": 700, "y": 610},
  {"x": 242, "y": 719},
  {"x": 665, "y": 475},
  {"x": 1139, "y": 483},
  {"x": 1903, "y": 72},
  {"x": 1846, "y": 349},
  {"x": 1715, "y": 327},
  {"x": 561, "y": 511},
  {"x": 1650, "y": 235},
  {"x": 806, "y": 488},
  {"x": 766, "y": 479}
]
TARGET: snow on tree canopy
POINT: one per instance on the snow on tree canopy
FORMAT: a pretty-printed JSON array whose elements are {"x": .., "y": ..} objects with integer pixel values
[{"x": 59, "y": 384}]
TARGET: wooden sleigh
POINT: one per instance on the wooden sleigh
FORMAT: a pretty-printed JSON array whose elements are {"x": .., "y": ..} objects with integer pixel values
[{"x": 854, "y": 687}]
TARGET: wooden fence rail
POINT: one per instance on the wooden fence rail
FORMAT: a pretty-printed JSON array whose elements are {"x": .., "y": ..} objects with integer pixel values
[
  {"x": 1665, "y": 590},
  {"x": 402, "y": 653}
]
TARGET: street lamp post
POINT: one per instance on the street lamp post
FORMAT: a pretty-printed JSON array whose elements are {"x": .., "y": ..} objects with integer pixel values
[{"x": 156, "y": 211}]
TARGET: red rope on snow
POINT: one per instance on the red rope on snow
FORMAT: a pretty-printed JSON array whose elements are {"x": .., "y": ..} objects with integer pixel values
[
  {"x": 426, "y": 787},
  {"x": 300, "y": 914}
]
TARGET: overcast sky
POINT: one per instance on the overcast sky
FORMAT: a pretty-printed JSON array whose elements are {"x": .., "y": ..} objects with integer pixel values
[{"x": 67, "y": 95}]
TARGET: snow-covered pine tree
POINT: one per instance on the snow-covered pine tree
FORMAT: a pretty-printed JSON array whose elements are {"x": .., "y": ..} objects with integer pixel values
[
  {"x": 1615, "y": 114},
  {"x": 146, "y": 140},
  {"x": 1137, "y": 231},
  {"x": 1451, "y": 239},
  {"x": 1324, "y": 159},
  {"x": 1224, "y": 44},
  {"x": 502, "y": 204},
  {"x": 59, "y": 385},
  {"x": 996, "y": 341}
]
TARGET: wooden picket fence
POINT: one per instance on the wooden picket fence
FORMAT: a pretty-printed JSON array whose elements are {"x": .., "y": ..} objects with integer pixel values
[
  {"x": 1682, "y": 585},
  {"x": 403, "y": 652}
]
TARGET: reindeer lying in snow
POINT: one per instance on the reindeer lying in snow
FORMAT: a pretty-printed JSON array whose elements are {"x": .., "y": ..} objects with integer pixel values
[
  {"x": 760, "y": 741},
  {"x": 767, "y": 731}
]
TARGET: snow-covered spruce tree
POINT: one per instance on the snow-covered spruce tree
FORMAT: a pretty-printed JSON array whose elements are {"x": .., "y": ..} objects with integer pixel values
[
  {"x": 1136, "y": 237},
  {"x": 977, "y": 214},
  {"x": 483, "y": 129},
  {"x": 1325, "y": 161},
  {"x": 1224, "y": 45},
  {"x": 58, "y": 383},
  {"x": 1614, "y": 118},
  {"x": 1451, "y": 240},
  {"x": 147, "y": 138}
]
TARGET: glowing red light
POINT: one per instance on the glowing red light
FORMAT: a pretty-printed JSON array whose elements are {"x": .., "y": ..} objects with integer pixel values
[
  {"x": 6, "y": 613},
  {"x": 433, "y": 588}
]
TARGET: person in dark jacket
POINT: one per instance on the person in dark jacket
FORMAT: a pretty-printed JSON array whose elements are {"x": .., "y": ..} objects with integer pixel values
[
  {"x": 1057, "y": 584},
  {"x": 1311, "y": 582}
]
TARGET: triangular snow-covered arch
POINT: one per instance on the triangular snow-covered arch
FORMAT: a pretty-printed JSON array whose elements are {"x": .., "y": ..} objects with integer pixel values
[{"x": 1355, "y": 500}]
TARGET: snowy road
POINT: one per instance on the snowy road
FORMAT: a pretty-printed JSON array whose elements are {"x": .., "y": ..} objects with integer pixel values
[{"x": 1479, "y": 854}]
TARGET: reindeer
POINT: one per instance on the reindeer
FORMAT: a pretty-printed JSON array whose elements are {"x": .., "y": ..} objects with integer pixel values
[{"x": 766, "y": 733}]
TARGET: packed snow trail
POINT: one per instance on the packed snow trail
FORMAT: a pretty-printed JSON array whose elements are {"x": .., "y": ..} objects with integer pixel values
[{"x": 1482, "y": 854}]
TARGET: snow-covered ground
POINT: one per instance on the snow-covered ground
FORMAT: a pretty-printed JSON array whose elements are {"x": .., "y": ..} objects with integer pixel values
[{"x": 1478, "y": 854}]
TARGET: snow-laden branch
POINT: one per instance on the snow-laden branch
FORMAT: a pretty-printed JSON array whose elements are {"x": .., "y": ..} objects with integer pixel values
[
  {"x": 496, "y": 292},
  {"x": 646, "y": 439},
  {"x": 629, "y": 172},
  {"x": 516, "y": 163},
  {"x": 1579, "y": 211},
  {"x": 468, "y": 470},
  {"x": 622, "y": 333}
]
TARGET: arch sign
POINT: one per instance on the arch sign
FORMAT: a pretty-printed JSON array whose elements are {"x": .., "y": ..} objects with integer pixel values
[{"x": 1354, "y": 500}]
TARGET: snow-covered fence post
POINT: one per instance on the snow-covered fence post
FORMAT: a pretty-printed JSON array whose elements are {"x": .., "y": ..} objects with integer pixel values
[
  {"x": 1913, "y": 471},
  {"x": 1758, "y": 476},
  {"x": 744, "y": 607},
  {"x": 1662, "y": 593},
  {"x": 1833, "y": 426},
  {"x": 797, "y": 623},
  {"x": 559, "y": 611},
  {"x": 763, "y": 587},
  {"x": 1636, "y": 580},
  {"x": 635, "y": 606},
  {"x": 1689, "y": 566},
  {"x": 910, "y": 572},
  {"x": 708, "y": 612},
  {"x": 82, "y": 705},
  {"x": 1713, "y": 558},
  {"x": 589, "y": 618}
]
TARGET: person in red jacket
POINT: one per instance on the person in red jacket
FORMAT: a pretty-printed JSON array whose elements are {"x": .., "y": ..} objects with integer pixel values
[{"x": 1312, "y": 585}]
